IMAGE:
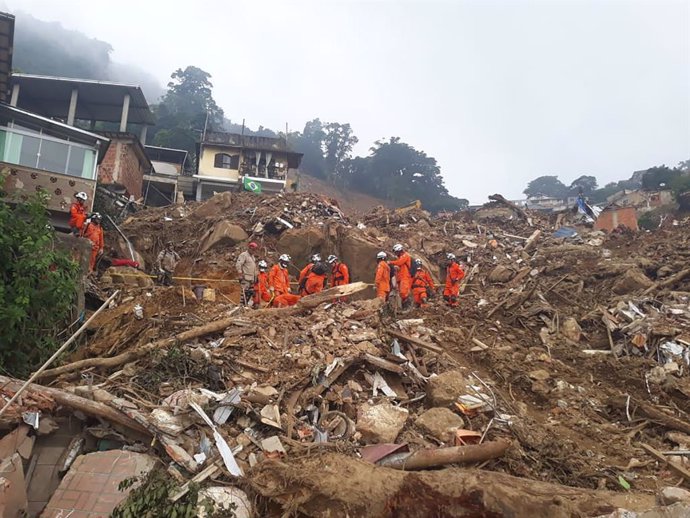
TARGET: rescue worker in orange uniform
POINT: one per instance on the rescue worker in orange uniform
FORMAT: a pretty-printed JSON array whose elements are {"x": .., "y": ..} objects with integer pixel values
[
  {"x": 454, "y": 274},
  {"x": 78, "y": 214},
  {"x": 279, "y": 283},
  {"x": 302, "y": 279},
  {"x": 316, "y": 279},
  {"x": 261, "y": 291},
  {"x": 94, "y": 232},
  {"x": 382, "y": 279},
  {"x": 422, "y": 284},
  {"x": 402, "y": 275},
  {"x": 340, "y": 274}
]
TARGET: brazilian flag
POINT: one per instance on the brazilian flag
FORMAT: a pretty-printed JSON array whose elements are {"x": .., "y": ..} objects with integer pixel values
[{"x": 251, "y": 185}]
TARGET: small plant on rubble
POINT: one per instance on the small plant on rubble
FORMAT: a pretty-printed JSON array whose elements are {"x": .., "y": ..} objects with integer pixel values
[
  {"x": 151, "y": 499},
  {"x": 38, "y": 283}
]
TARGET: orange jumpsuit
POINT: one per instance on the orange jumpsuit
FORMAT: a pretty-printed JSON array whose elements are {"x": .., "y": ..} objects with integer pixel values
[
  {"x": 314, "y": 283},
  {"x": 420, "y": 282},
  {"x": 261, "y": 293},
  {"x": 94, "y": 233},
  {"x": 279, "y": 280},
  {"x": 454, "y": 274},
  {"x": 303, "y": 277},
  {"x": 77, "y": 217},
  {"x": 403, "y": 262},
  {"x": 340, "y": 275},
  {"x": 382, "y": 280}
]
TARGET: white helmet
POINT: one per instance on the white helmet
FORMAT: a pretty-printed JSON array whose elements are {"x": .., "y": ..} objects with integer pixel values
[
  {"x": 96, "y": 216},
  {"x": 381, "y": 255},
  {"x": 284, "y": 258},
  {"x": 81, "y": 195},
  {"x": 262, "y": 265},
  {"x": 451, "y": 257},
  {"x": 316, "y": 258},
  {"x": 398, "y": 247},
  {"x": 331, "y": 259}
]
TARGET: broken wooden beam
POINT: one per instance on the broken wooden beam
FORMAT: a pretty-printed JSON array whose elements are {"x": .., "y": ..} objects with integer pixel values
[
  {"x": 416, "y": 341},
  {"x": 500, "y": 199},
  {"x": 532, "y": 240},
  {"x": 668, "y": 282},
  {"x": 654, "y": 414},
  {"x": 383, "y": 364}
]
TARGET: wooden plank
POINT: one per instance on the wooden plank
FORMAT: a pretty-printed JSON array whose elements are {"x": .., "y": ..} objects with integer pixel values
[
  {"x": 383, "y": 364},
  {"x": 660, "y": 457},
  {"x": 416, "y": 341},
  {"x": 252, "y": 366}
]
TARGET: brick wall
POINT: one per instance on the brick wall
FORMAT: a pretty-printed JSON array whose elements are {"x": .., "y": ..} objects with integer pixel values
[
  {"x": 613, "y": 218},
  {"x": 122, "y": 166}
]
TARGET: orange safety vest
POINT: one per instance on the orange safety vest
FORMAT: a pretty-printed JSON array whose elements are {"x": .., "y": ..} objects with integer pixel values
[{"x": 279, "y": 280}]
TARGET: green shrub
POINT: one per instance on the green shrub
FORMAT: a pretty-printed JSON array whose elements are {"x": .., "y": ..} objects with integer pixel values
[{"x": 37, "y": 286}]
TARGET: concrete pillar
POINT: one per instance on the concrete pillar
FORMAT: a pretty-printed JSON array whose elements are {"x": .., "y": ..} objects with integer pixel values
[
  {"x": 198, "y": 190},
  {"x": 15, "y": 95},
  {"x": 125, "y": 113},
  {"x": 72, "y": 107},
  {"x": 142, "y": 137}
]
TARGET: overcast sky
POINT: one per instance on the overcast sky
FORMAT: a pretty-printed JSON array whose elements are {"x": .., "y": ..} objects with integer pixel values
[{"x": 499, "y": 92}]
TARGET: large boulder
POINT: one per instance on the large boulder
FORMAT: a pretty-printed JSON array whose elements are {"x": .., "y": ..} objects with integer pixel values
[
  {"x": 443, "y": 390},
  {"x": 214, "y": 206},
  {"x": 500, "y": 274},
  {"x": 633, "y": 279},
  {"x": 359, "y": 253},
  {"x": 301, "y": 243},
  {"x": 441, "y": 423},
  {"x": 128, "y": 275},
  {"x": 223, "y": 233},
  {"x": 380, "y": 423}
]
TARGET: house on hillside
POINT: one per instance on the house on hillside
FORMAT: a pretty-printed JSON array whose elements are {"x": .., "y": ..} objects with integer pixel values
[
  {"x": 117, "y": 111},
  {"x": 641, "y": 200},
  {"x": 162, "y": 184},
  {"x": 225, "y": 159},
  {"x": 546, "y": 203},
  {"x": 614, "y": 216}
]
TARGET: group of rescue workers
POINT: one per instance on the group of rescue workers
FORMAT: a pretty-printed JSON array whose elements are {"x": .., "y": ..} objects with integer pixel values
[
  {"x": 409, "y": 277},
  {"x": 260, "y": 285}
]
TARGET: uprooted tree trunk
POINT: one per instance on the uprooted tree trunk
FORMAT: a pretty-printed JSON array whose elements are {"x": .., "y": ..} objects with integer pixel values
[
  {"x": 305, "y": 303},
  {"x": 500, "y": 199},
  {"x": 435, "y": 457},
  {"x": 351, "y": 487},
  {"x": 64, "y": 398}
]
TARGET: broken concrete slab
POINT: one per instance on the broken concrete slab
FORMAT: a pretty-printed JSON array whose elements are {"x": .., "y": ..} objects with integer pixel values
[
  {"x": 13, "y": 500},
  {"x": 671, "y": 495},
  {"x": 442, "y": 423},
  {"x": 381, "y": 422},
  {"x": 633, "y": 279}
]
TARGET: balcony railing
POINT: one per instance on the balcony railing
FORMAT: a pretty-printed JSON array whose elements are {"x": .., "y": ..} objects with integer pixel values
[{"x": 38, "y": 151}]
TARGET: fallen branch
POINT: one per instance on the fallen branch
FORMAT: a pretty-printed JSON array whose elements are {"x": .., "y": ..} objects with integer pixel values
[
  {"x": 655, "y": 415},
  {"x": 430, "y": 458},
  {"x": 114, "y": 361},
  {"x": 92, "y": 408},
  {"x": 314, "y": 300},
  {"x": 668, "y": 282}
]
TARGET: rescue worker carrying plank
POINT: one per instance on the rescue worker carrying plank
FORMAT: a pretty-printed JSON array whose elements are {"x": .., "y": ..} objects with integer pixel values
[
  {"x": 403, "y": 264},
  {"x": 279, "y": 283},
  {"x": 261, "y": 286},
  {"x": 316, "y": 279},
  {"x": 422, "y": 284},
  {"x": 382, "y": 279},
  {"x": 78, "y": 214},
  {"x": 94, "y": 232},
  {"x": 454, "y": 274}
]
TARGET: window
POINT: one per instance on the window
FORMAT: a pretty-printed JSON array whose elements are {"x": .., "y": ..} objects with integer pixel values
[{"x": 225, "y": 161}]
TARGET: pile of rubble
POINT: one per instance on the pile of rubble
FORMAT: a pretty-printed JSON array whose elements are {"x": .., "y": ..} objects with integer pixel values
[{"x": 562, "y": 379}]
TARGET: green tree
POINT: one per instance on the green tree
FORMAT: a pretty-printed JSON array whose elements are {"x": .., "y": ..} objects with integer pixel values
[
  {"x": 310, "y": 143},
  {"x": 338, "y": 142},
  {"x": 658, "y": 177},
  {"x": 37, "y": 285},
  {"x": 549, "y": 186},
  {"x": 585, "y": 184},
  {"x": 186, "y": 110}
]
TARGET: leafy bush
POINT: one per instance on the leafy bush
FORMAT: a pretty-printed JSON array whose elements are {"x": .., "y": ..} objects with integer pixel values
[{"x": 37, "y": 285}]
